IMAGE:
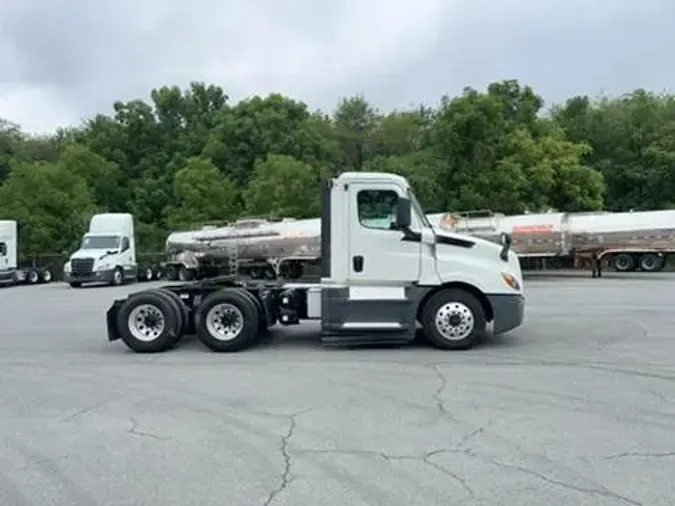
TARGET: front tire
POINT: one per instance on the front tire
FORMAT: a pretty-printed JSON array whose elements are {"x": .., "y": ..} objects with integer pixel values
[
  {"x": 453, "y": 320},
  {"x": 118, "y": 277},
  {"x": 227, "y": 321}
]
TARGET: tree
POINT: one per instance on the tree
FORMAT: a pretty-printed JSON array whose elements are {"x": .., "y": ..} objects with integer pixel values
[
  {"x": 282, "y": 186},
  {"x": 51, "y": 204},
  {"x": 201, "y": 194}
]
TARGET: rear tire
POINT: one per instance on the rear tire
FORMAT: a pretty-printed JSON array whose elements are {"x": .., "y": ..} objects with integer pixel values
[
  {"x": 623, "y": 262},
  {"x": 46, "y": 276},
  {"x": 453, "y": 320},
  {"x": 149, "y": 322},
  {"x": 184, "y": 313},
  {"x": 33, "y": 277},
  {"x": 185, "y": 274},
  {"x": 651, "y": 262},
  {"x": 227, "y": 321}
]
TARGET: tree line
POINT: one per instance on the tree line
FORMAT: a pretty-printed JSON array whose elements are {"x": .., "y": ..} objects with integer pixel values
[{"x": 190, "y": 156}]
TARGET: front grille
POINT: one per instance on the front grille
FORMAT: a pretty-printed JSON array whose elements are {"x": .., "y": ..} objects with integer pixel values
[{"x": 82, "y": 266}]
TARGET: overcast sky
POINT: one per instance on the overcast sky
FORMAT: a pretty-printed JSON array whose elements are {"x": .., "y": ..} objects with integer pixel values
[{"x": 64, "y": 60}]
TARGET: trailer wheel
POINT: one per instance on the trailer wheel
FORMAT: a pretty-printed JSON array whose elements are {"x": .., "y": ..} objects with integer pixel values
[
  {"x": 148, "y": 322},
  {"x": 33, "y": 277},
  {"x": 172, "y": 273},
  {"x": 185, "y": 274},
  {"x": 46, "y": 276},
  {"x": 651, "y": 262},
  {"x": 623, "y": 262},
  {"x": 453, "y": 320},
  {"x": 227, "y": 321},
  {"x": 147, "y": 274}
]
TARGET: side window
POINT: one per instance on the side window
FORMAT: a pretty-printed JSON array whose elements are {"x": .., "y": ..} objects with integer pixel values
[
  {"x": 125, "y": 243},
  {"x": 3, "y": 249},
  {"x": 377, "y": 208}
]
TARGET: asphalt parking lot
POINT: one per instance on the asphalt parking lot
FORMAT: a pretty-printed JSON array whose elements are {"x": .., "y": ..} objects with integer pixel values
[{"x": 576, "y": 407}]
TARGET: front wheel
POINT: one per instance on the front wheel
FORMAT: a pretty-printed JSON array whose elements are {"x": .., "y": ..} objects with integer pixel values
[
  {"x": 118, "y": 277},
  {"x": 453, "y": 320}
]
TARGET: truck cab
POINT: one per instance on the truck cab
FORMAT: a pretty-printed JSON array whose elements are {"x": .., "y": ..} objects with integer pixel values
[
  {"x": 383, "y": 253},
  {"x": 8, "y": 249},
  {"x": 107, "y": 253}
]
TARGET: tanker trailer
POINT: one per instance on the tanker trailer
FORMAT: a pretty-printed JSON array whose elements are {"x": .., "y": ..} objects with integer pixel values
[{"x": 257, "y": 248}]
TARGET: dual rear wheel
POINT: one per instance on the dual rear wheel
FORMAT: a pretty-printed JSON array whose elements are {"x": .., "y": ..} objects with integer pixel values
[{"x": 154, "y": 320}]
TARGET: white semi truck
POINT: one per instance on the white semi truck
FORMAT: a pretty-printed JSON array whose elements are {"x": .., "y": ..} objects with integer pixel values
[
  {"x": 378, "y": 280},
  {"x": 10, "y": 272},
  {"x": 107, "y": 254}
]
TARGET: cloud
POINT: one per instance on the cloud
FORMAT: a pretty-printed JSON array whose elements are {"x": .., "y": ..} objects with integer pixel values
[{"x": 63, "y": 61}]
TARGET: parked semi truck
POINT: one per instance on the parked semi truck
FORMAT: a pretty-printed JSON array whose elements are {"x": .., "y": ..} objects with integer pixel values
[
  {"x": 10, "y": 271},
  {"x": 628, "y": 241},
  {"x": 107, "y": 254},
  {"x": 378, "y": 279}
]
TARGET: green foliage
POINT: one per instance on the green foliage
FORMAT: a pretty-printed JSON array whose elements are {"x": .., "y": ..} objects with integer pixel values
[{"x": 188, "y": 157}]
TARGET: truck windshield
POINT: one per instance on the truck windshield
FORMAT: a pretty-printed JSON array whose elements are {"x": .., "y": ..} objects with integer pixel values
[
  {"x": 418, "y": 209},
  {"x": 100, "y": 242}
]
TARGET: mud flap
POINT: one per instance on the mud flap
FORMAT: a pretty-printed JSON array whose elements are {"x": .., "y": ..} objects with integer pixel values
[{"x": 111, "y": 320}]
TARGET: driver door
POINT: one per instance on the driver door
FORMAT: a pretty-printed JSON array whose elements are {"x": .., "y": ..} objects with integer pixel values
[{"x": 377, "y": 252}]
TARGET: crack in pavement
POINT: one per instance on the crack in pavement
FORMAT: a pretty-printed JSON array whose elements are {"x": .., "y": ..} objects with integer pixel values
[
  {"x": 87, "y": 409},
  {"x": 137, "y": 432},
  {"x": 287, "y": 457},
  {"x": 604, "y": 492},
  {"x": 647, "y": 455}
]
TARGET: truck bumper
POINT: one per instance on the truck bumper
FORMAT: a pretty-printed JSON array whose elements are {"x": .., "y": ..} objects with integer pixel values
[
  {"x": 508, "y": 310},
  {"x": 94, "y": 277}
]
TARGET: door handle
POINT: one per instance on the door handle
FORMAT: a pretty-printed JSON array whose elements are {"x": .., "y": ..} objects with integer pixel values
[{"x": 357, "y": 261}]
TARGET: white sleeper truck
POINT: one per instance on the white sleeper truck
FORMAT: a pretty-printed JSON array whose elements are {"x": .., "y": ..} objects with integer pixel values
[
  {"x": 383, "y": 270},
  {"x": 107, "y": 253},
  {"x": 10, "y": 272}
]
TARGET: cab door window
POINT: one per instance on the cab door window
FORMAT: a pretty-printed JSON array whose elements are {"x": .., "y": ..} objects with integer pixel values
[
  {"x": 377, "y": 209},
  {"x": 3, "y": 249}
]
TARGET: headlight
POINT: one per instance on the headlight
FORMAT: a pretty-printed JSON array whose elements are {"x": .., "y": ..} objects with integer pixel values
[
  {"x": 510, "y": 280},
  {"x": 101, "y": 267},
  {"x": 66, "y": 267}
]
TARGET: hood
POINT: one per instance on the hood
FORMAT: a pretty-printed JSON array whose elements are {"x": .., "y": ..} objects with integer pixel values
[
  {"x": 90, "y": 253},
  {"x": 478, "y": 246}
]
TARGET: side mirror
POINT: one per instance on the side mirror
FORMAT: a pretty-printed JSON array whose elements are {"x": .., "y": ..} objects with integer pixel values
[{"x": 403, "y": 214}]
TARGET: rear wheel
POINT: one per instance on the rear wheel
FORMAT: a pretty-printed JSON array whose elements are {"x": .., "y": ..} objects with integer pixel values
[
  {"x": 182, "y": 309},
  {"x": 651, "y": 262},
  {"x": 228, "y": 321},
  {"x": 453, "y": 320},
  {"x": 623, "y": 262},
  {"x": 46, "y": 276},
  {"x": 149, "y": 322},
  {"x": 185, "y": 274},
  {"x": 33, "y": 277}
]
